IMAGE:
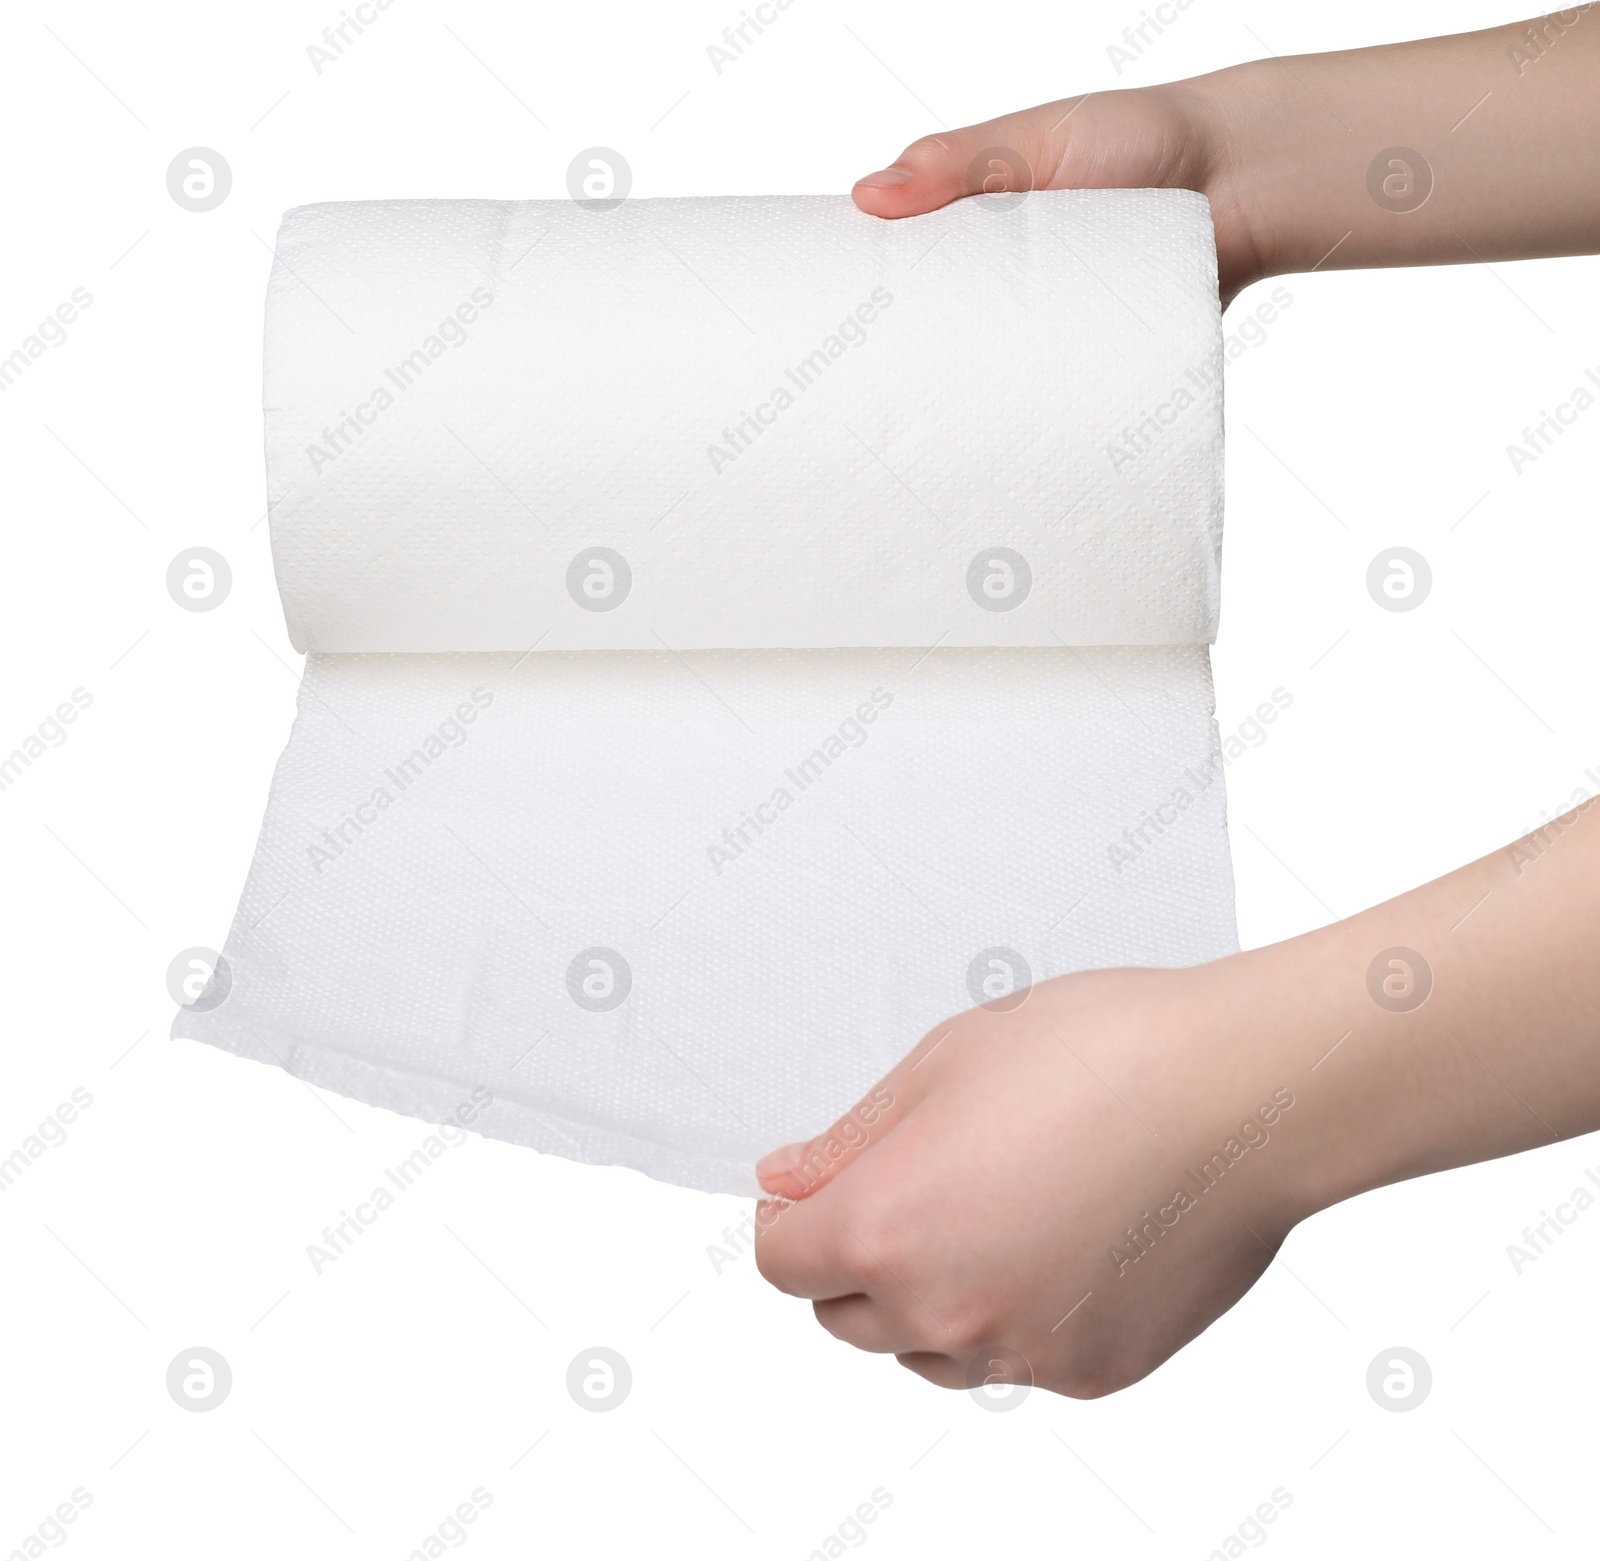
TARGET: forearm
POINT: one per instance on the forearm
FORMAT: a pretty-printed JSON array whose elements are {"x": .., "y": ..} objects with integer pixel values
[
  {"x": 1502, "y": 1054},
  {"x": 1506, "y": 122}
]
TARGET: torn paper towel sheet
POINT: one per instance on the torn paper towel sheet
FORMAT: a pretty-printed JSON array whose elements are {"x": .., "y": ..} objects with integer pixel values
[
  {"x": 674, "y": 912},
  {"x": 670, "y": 888}
]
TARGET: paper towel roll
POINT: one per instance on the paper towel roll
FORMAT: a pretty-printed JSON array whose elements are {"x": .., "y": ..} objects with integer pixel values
[
  {"x": 778, "y": 422},
  {"x": 622, "y": 878}
]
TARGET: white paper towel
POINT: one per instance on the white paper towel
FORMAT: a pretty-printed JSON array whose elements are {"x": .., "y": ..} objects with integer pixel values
[
  {"x": 797, "y": 425},
  {"x": 788, "y": 863},
  {"x": 668, "y": 894}
]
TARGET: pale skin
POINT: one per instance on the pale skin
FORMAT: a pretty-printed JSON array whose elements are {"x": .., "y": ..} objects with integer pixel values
[{"x": 985, "y": 1212}]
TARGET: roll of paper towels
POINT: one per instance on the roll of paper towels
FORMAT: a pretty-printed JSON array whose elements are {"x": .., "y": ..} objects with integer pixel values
[{"x": 742, "y": 633}]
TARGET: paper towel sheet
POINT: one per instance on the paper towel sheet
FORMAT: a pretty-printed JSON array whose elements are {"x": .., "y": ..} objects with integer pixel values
[
  {"x": 792, "y": 424},
  {"x": 744, "y": 632},
  {"x": 785, "y": 863}
]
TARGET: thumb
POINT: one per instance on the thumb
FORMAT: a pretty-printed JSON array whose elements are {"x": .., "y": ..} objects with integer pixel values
[
  {"x": 1009, "y": 154},
  {"x": 798, "y": 1170}
]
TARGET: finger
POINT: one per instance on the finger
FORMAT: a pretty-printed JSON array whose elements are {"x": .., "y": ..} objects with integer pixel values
[
  {"x": 863, "y": 1322},
  {"x": 803, "y": 1253},
  {"x": 1014, "y": 152},
  {"x": 943, "y": 1371},
  {"x": 814, "y": 1251},
  {"x": 798, "y": 1170}
]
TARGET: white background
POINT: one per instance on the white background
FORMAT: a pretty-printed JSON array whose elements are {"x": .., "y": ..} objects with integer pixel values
[{"x": 372, "y": 1399}]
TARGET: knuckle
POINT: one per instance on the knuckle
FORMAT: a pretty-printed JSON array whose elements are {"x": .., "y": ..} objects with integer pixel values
[
  {"x": 878, "y": 1245},
  {"x": 924, "y": 153},
  {"x": 966, "y": 1329}
]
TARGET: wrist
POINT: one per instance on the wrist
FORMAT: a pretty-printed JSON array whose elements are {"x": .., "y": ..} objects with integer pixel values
[
  {"x": 1235, "y": 116},
  {"x": 1296, "y": 1018},
  {"x": 1438, "y": 1029}
]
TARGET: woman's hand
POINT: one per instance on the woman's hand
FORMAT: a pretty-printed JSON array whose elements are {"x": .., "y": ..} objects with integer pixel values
[
  {"x": 1088, "y": 1180},
  {"x": 1085, "y": 1182},
  {"x": 1479, "y": 147},
  {"x": 1166, "y": 137}
]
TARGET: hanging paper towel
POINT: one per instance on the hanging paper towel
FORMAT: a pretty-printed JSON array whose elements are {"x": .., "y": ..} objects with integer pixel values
[{"x": 742, "y": 632}]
